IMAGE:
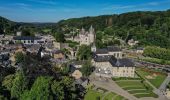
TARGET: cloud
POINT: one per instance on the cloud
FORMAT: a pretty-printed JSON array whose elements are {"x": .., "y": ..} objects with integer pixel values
[
  {"x": 47, "y": 2},
  {"x": 138, "y": 6},
  {"x": 153, "y": 3}
]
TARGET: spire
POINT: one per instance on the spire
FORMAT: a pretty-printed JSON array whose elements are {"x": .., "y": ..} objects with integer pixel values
[
  {"x": 82, "y": 30},
  {"x": 91, "y": 29}
]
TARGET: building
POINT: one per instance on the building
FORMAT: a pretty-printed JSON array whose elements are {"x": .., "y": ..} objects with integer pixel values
[
  {"x": 109, "y": 62},
  {"x": 140, "y": 50},
  {"x": 28, "y": 40},
  {"x": 131, "y": 42},
  {"x": 109, "y": 51},
  {"x": 75, "y": 69},
  {"x": 109, "y": 66},
  {"x": 84, "y": 37}
]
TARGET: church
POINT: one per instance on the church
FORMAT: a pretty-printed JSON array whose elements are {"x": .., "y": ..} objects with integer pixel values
[{"x": 84, "y": 37}]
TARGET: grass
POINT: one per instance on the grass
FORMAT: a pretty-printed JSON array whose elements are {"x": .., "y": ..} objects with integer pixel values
[
  {"x": 156, "y": 81},
  {"x": 155, "y": 60},
  {"x": 92, "y": 95},
  {"x": 109, "y": 96},
  {"x": 95, "y": 95},
  {"x": 118, "y": 97},
  {"x": 135, "y": 86},
  {"x": 129, "y": 83},
  {"x": 146, "y": 95}
]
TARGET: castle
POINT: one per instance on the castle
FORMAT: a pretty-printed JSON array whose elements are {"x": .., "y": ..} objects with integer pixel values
[{"x": 84, "y": 37}]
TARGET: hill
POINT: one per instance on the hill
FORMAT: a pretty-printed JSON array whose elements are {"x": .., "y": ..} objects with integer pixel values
[{"x": 150, "y": 28}]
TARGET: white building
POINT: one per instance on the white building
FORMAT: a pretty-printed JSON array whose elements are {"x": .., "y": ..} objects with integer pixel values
[
  {"x": 84, "y": 37},
  {"x": 109, "y": 51},
  {"x": 28, "y": 40},
  {"x": 109, "y": 66},
  {"x": 109, "y": 62}
]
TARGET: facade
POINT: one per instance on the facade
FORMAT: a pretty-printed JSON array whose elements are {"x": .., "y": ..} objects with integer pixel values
[
  {"x": 110, "y": 51},
  {"x": 28, "y": 40},
  {"x": 84, "y": 37},
  {"x": 132, "y": 42},
  {"x": 109, "y": 66}
]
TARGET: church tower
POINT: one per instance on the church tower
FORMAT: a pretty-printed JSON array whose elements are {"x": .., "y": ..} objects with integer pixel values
[{"x": 91, "y": 34}]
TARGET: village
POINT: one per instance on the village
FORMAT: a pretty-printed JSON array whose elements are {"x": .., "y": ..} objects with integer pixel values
[{"x": 110, "y": 73}]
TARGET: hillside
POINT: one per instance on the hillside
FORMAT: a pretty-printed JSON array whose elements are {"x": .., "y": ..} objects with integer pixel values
[{"x": 150, "y": 28}]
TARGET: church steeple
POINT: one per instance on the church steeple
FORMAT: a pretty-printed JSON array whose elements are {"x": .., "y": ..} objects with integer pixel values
[{"x": 91, "y": 30}]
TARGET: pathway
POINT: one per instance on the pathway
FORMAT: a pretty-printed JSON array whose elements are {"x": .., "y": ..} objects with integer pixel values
[{"x": 111, "y": 86}]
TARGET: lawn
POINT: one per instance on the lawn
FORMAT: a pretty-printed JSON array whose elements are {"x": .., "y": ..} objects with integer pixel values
[
  {"x": 137, "y": 88},
  {"x": 92, "y": 95},
  {"x": 109, "y": 96},
  {"x": 156, "y": 79}
]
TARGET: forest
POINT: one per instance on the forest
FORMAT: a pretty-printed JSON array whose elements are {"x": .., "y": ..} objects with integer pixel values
[{"x": 149, "y": 28}]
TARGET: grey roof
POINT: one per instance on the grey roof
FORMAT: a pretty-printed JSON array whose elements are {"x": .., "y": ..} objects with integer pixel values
[
  {"x": 102, "y": 58},
  {"x": 123, "y": 62},
  {"x": 108, "y": 49},
  {"x": 113, "y": 48},
  {"x": 115, "y": 62},
  {"x": 140, "y": 48},
  {"x": 26, "y": 38},
  {"x": 101, "y": 51}
]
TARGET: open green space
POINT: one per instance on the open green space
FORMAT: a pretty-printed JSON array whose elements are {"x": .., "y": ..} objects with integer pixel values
[
  {"x": 138, "y": 88},
  {"x": 155, "y": 78},
  {"x": 110, "y": 96},
  {"x": 92, "y": 95},
  {"x": 96, "y": 95}
]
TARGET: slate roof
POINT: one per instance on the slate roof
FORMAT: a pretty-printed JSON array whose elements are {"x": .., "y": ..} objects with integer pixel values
[
  {"x": 113, "y": 48},
  {"x": 108, "y": 49},
  {"x": 26, "y": 38},
  {"x": 101, "y": 51},
  {"x": 115, "y": 62}
]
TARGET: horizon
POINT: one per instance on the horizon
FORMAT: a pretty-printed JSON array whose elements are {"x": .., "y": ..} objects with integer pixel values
[{"x": 52, "y": 11}]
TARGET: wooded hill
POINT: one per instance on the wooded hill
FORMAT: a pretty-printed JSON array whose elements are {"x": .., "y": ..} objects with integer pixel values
[{"x": 150, "y": 28}]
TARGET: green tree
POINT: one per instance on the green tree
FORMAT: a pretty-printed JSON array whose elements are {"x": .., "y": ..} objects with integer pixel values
[
  {"x": 19, "y": 57},
  {"x": 84, "y": 52},
  {"x": 8, "y": 81},
  {"x": 58, "y": 90},
  {"x": 59, "y": 37},
  {"x": 18, "y": 85},
  {"x": 86, "y": 69},
  {"x": 40, "y": 90}
]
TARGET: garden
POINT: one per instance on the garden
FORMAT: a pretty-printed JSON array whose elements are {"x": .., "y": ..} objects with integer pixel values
[
  {"x": 137, "y": 87},
  {"x": 154, "y": 77},
  {"x": 97, "y": 93}
]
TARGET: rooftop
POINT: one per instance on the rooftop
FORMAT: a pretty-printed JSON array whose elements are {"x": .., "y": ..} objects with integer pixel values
[{"x": 26, "y": 38}]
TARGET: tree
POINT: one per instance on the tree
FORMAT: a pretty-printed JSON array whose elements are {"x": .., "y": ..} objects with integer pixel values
[
  {"x": 19, "y": 57},
  {"x": 86, "y": 69},
  {"x": 18, "y": 85},
  {"x": 58, "y": 90},
  {"x": 26, "y": 32},
  {"x": 40, "y": 90},
  {"x": 84, "y": 52},
  {"x": 8, "y": 81},
  {"x": 59, "y": 37}
]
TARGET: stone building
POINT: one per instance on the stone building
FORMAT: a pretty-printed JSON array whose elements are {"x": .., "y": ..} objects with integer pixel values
[
  {"x": 84, "y": 37},
  {"x": 109, "y": 62},
  {"x": 28, "y": 40},
  {"x": 109, "y": 51},
  {"x": 109, "y": 66}
]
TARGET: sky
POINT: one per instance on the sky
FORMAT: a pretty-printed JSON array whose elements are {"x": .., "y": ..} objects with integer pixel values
[{"x": 56, "y": 10}]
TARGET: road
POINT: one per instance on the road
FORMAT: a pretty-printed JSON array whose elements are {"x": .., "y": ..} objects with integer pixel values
[
  {"x": 165, "y": 83},
  {"x": 111, "y": 86}
]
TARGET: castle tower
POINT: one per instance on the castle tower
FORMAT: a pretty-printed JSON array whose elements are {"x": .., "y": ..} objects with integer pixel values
[
  {"x": 82, "y": 31},
  {"x": 91, "y": 34},
  {"x": 93, "y": 48}
]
